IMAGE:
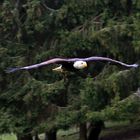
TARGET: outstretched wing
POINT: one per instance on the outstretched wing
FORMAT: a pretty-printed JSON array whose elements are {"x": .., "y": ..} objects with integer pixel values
[
  {"x": 110, "y": 60},
  {"x": 51, "y": 61},
  {"x": 61, "y": 60}
]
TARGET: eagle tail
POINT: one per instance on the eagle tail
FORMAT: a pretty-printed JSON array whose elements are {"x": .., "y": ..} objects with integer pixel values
[{"x": 11, "y": 70}]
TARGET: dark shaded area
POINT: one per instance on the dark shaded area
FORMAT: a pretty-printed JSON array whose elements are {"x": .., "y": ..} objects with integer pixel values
[
  {"x": 95, "y": 130},
  {"x": 119, "y": 134},
  {"x": 25, "y": 137},
  {"x": 54, "y": 4},
  {"x": 83, "y": 131},
  {"x": 51, "y": 135},
  {"x": 129, "y": 7},
  {"x": 36, "y": 136}
]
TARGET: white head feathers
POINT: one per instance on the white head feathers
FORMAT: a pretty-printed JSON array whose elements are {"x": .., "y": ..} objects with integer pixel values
[{"x": 80, "y": 64}]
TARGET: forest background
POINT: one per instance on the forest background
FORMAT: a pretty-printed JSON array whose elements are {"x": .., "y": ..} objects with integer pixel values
[{"x": 41, "y": 101}]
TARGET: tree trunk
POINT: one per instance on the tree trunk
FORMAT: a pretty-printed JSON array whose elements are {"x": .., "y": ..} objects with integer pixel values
[
  {"x": 95, "y": 130},
  {"x": 24, "y": 137},
  {"x": 129, "y": 7},
  {"x": 83, "y": 131},
  {"x": 51, "y": 135},
  {"x": 36, "y": 136}
]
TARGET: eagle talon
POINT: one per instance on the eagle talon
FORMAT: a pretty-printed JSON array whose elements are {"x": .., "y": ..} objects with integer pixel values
[{"x": 58, "y": 69}]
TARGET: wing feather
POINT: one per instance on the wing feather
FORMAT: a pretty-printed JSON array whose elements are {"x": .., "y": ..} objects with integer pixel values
[
  {"x": 110, "y": 60},
  {"x": 51, "y": 61}
]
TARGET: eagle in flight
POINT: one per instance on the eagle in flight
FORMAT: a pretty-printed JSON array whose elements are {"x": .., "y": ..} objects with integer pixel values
[{"x": 71, "y": 64}]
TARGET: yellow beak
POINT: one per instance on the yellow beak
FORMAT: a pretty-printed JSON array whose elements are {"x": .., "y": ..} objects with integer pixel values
[
  {"x": 58, "y": 69},
  {"x": 85, "y": 65}
]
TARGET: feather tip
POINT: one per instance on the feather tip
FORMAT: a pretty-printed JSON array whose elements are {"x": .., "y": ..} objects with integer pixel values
[{"x": 11, "y": 70}]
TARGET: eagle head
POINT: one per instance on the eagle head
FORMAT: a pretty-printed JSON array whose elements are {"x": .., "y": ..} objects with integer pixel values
[{"x": 80, "y": 64}]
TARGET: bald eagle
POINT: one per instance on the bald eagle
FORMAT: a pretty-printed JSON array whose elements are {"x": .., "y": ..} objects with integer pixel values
[{"x": 71, "y": 64}]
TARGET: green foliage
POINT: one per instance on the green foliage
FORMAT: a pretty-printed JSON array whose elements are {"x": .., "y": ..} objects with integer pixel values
[{"x": 127, "y": 109}]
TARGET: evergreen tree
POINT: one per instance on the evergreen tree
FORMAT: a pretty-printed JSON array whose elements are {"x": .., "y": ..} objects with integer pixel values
[{"x": 39, "y": 100}]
